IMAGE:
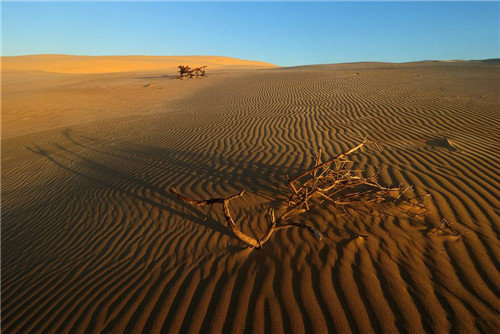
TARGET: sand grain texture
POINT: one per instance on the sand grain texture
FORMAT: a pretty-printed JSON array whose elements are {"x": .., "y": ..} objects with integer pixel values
[{"x": 92, "y": 241}]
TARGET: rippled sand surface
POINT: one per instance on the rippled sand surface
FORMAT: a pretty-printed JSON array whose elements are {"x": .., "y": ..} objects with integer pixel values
[{"x": 92, "y": 241}]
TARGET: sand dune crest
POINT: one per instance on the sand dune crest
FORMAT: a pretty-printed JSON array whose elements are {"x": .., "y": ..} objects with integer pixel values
[{"x": 110, "y": 64}]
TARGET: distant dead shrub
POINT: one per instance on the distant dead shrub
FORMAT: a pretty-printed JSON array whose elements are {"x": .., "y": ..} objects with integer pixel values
[{"x": 191, "y": 72}]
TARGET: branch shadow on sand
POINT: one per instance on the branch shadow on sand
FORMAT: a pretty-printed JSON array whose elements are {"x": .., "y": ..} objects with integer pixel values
[
  {"x": 145, "y": 173},
  {"x": 164, "y": 76}
]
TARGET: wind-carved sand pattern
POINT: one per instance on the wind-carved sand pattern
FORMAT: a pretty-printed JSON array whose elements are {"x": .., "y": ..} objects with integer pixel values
[{"x": 92, "y": 240}]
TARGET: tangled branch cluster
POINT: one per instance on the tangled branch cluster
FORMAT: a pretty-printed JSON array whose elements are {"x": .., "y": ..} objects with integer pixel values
[
  {"x": 190, "y": 72},
  {"x": 333, "y": 181}
]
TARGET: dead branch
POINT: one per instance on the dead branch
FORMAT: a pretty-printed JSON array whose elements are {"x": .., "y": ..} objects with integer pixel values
[
  {"x": 190, "y": 72},
  {"x": 255, "y": 242},
  {"x": 446, "y": 226},
  {"x": 332, "y": 181}
]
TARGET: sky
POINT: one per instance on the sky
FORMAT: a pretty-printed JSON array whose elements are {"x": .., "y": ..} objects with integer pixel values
[{"x": 282, "y": 33}]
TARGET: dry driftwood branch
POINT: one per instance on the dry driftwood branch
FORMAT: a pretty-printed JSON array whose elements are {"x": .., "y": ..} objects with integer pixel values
[{"x": 332, "y": 181}]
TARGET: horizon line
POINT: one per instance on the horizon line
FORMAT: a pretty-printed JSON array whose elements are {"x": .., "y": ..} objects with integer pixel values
[{"x": 347, "y": 62}]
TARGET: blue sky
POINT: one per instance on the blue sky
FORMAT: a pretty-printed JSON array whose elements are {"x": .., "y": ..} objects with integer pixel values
[{"x": 283, "y": 33}]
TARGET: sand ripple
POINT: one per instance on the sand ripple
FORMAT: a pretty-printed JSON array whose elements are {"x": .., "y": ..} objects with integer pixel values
[{"x": 93, "y": 242}]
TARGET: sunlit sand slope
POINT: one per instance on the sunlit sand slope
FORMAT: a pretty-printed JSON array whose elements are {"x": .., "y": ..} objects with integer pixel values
[
  {"x": 109, "y": 64},
  {"x": 92, "y": 241}
]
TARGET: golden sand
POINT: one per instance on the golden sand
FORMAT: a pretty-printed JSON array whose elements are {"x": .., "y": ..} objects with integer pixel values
[{"x": 92, "y": 241}]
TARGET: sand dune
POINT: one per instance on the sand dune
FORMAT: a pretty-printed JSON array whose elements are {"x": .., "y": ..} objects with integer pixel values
[
  {"x": 111, "y": 64},
  {"x": 92, "y": 241}
]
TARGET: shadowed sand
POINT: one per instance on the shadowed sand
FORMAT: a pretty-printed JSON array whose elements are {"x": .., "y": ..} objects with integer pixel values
[{"x": 92, "y": 241}]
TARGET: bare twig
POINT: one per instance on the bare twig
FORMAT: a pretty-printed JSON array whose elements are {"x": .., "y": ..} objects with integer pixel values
[{"x": 447, "y": 226}]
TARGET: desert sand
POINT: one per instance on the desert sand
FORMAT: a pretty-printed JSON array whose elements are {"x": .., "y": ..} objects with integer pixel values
[
  {"x": 113, "y": 64},
  {"x": 92, "y": 240}
]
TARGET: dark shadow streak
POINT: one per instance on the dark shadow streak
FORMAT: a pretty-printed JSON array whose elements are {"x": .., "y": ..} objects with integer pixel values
[
  {"x": 165, "y": 76},
  {"x": 256, "y": 177},
  {"x": 196, "y": 216}
]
